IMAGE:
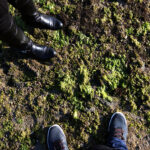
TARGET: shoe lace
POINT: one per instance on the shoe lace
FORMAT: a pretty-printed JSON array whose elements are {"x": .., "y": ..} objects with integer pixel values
[
  {"x": 118, "y": 132},
  {"x": 58, "y": 145}
]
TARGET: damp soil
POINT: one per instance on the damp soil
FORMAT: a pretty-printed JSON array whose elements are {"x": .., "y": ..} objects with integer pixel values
[{"x": 103, "y": 66}]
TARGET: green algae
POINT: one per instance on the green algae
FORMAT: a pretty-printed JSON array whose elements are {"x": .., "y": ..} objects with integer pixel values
[
  {"x": 102, "y": 92},
  {"x": 67, "y": 85},
  {"x": 103, "y": 68},
  {"x": 117, "y": 75},
  {"x": 60, "y": 39},
  {"x": 144, "y": 29}
]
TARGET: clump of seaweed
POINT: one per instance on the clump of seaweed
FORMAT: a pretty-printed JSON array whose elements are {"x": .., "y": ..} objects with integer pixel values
[{"x": 103, "y": 67}]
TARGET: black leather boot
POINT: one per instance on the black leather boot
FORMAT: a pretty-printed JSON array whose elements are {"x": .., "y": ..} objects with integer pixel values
[
  {"x": 34, "y": 18},
  {"x": 16, "y": 38}
]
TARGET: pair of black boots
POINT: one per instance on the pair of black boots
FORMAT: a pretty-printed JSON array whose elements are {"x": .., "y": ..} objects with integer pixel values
[{"x": 16, "y": 38}]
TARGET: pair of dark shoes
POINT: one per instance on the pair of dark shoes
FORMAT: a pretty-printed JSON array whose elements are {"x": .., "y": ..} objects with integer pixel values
[
  {"x": 16, "y": 38},
  {"x": 56, "y": 139},
  {"x": 41, "y": 21}
]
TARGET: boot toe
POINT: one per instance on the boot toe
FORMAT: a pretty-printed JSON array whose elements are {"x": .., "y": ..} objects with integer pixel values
[
  {"x": 49, "y": 53},
  {"x": 49, "y": 22},
  {"x": 54, "y": 53},
  {"x": 56, "y": 24},
  {"x": 42, "y": 21},
  {"x": 61, "y": 25},
  {"x": 43, "y": 52}
]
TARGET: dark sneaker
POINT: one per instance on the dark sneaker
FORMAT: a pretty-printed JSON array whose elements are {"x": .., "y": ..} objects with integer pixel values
[
  {"x": 118, "y": 127},
  {"x": 56, "y": 139}
]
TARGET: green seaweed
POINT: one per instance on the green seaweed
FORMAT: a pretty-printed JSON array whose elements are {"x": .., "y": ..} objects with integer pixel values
[{"x": 102, "y": 67}]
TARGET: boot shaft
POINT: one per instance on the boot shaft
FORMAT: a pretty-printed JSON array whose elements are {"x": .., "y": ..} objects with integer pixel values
[
  {"x": 5, "y": 17},
  {"x": 15, "y": 37},
  {"x": 26, "y": 7}
]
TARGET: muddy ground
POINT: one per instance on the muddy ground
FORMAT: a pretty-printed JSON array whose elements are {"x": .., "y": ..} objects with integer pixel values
[{"x": 103, "y": 66}]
